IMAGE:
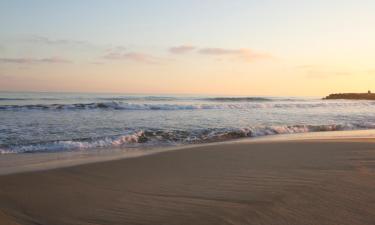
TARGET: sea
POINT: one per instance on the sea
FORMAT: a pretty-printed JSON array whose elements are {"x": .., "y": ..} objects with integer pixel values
[{"x": 62, "y": 122}]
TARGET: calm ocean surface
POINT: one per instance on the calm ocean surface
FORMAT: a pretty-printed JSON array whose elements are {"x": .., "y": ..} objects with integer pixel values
[{"x": 55, "y": 122}]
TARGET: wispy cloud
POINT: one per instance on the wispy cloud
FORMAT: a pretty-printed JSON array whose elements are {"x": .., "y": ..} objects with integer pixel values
[
  {"x": 181, "y": 49},
  {"x": 118, "y": 49},
  {"x": 244, "y": 54},
  {"x": 49, "y": 41},
  {"x": 133, "y": 56},
  {"x": 97, "y": 63},
  {"x": 121, "y": 53},
  {"x": 219, "y": 51},
  {"x": 34, "y": 60}
]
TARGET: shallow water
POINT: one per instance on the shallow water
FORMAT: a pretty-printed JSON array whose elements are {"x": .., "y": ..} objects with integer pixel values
[{"x": 50, "y": 122}]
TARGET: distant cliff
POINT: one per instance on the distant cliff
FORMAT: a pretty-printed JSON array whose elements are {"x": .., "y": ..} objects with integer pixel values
[{"x": 357, "y": 96}]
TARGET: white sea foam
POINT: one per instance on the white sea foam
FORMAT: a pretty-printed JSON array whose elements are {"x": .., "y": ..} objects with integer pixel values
[
  {"x": 161, "y": 137},
  {"x": 77, "y": 144}
]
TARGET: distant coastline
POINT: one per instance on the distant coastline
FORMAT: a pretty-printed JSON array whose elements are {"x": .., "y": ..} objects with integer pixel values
[{"x": 354, "y": 96}]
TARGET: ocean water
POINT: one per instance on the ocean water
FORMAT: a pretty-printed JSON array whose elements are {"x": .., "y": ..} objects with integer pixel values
[{"x": 57, "y": 122}]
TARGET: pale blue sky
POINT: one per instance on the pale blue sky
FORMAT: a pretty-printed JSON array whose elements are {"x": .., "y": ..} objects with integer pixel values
[{"x": 172, "y": 21}]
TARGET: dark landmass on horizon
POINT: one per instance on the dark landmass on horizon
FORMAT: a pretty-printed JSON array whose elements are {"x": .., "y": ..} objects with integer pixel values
[{"x": 355, "y": 96}]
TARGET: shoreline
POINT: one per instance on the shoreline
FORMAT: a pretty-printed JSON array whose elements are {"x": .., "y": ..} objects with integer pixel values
[
  {"x": 329, "y": 181},
  {"x": 29, "y": 162}
]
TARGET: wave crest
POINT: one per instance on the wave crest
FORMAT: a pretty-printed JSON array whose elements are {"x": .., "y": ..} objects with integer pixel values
[
  {"x": 154, "y": 137},
  {"x": 239, "y": 99}
]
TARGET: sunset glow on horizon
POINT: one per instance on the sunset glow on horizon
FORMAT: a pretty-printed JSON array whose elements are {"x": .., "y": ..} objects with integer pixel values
[{"x": 288, "y": 48}]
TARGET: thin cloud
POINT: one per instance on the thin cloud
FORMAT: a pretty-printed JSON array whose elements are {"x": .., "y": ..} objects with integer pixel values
[
  {"x": 121, "y": 53},
  {"x": 244, "y": 54},
  {"x": 49, "y": 41},
  {"x": 133, "y": 56},
  {"x": 55, "y": 60},
  {"x": 50, "y": 60},
  {"x": 116, "y": 49},
  {"x": 219, "y": 51},
  {"x": 97, "y": 63},
  {"x": 115, "y": 52},
  {"x": 181, "y": 49}
]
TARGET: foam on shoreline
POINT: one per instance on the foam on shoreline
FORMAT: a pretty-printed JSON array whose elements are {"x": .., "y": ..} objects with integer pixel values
[{"x": 16, "y": 163}]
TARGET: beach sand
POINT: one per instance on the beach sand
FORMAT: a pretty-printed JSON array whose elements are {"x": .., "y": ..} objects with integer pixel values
[{"x": 280, "y": 182}]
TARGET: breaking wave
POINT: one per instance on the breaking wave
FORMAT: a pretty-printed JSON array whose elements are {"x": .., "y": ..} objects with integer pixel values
[
  {"x": 137, "y": 98},
  {"x": 152, "y": 137},
  {"x": 239, "y": 99}
]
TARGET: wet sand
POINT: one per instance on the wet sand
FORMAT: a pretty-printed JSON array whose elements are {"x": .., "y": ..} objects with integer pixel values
[{"x": 280, "y": 182}]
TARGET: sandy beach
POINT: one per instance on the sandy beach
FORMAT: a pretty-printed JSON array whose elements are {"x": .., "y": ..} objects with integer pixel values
[{"x": 280, "y": 182}]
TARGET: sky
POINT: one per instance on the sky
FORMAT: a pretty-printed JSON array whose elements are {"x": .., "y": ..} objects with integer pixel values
[{"x": 213, "y": 47}]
